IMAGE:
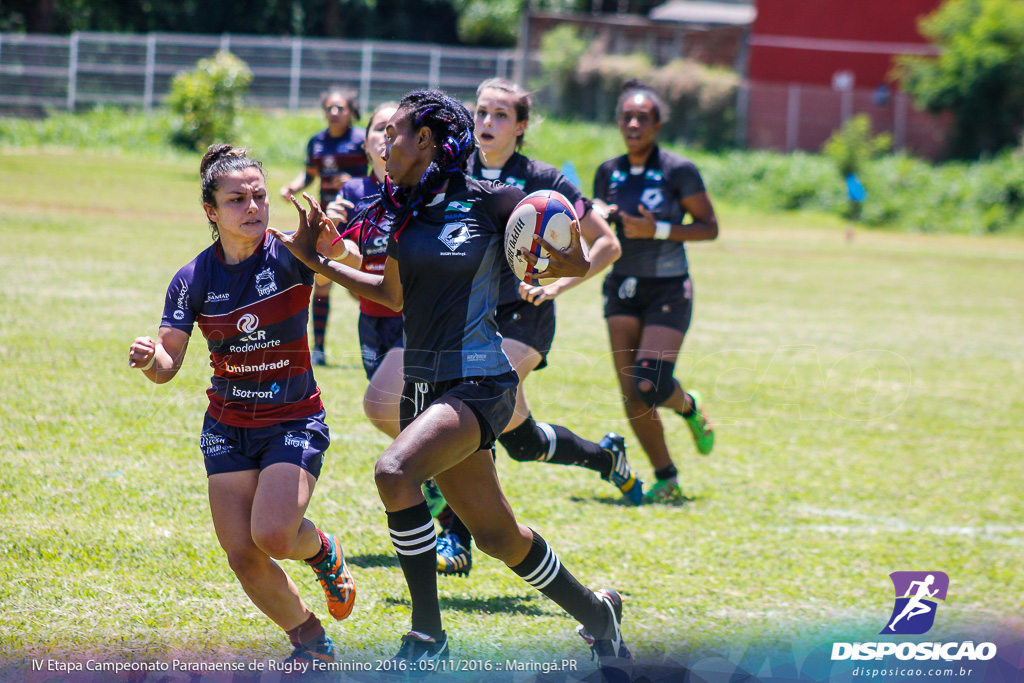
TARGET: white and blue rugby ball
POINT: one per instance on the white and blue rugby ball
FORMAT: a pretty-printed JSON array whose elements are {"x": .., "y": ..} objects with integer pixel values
[{"x": 544, "y": 213}]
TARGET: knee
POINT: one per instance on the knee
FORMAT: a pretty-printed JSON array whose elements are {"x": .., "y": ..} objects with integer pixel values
[
  {"x": 498, "y": 543},
  {"x": 275, "y": 541},
  {"x": 528, "y": 441},
  {"x": 390, "y": 476},
  {"x": 248, "y": 565},
  {"x": 653, "y": 381}
]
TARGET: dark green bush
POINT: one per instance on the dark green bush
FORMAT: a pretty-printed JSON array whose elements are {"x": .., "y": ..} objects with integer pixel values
[{"x": 205, "y": 102}]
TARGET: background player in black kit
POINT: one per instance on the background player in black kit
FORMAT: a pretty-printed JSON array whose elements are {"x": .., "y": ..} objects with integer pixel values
[
  {"x": 445, "y": 249},
  {"x": 648, "y": 295},
  {"x": 526, "y": 313}
]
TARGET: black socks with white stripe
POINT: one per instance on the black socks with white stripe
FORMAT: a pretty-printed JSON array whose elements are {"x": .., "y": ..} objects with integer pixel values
[
  {"x": 415, "y": 541},
  {"x": 543, "y": 570},
  {"x": 543, "y": 442}
]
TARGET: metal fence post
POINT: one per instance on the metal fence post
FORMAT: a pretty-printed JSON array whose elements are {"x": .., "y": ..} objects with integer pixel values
[
  {"x": 225, "y": 42},
  {"x": 899, "y": 124},
  {"x": 72, "y": 71},
  {"x": 434, "y": 78},
  {"x": 296, "y": 75},
  {"x": 147, "y": 95},
  {"x": 365, "y": 76},
  {"x": 793, "y": 117},
  {"x": 845, "y": 105},
  {"x": 742, "y": 111}
]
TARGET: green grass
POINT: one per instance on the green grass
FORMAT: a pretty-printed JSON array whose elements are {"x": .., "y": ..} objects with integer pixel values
[{"x": 866, "y": 396}]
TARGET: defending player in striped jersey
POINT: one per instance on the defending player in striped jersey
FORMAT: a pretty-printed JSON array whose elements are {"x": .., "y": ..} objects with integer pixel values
[{"x": 264, "y": 434}]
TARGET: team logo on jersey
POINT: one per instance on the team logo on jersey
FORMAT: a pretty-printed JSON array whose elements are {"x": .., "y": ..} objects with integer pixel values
[
  {"x": 213, "y": 298},
  {"x": 265, "y": 282},
  {"x": 618, "y": 177},
  {"x": 454, "y": 235},
  {"x": 627, "y": 290},
  {"x": 298, "y": 439},
  {"x": 916, "y": 595},
  {"x": 248, "y": 323},
  {"x": 515, "y": 182},
  {"x": 654, "y": 175},
  {"x": 179, "y": 314},
  {"x": 652, "y": 198},
  {"x": 459, "y": 207}
]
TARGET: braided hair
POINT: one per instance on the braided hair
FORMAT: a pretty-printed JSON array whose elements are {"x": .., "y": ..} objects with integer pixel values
[{"x": 452, "y": 128}]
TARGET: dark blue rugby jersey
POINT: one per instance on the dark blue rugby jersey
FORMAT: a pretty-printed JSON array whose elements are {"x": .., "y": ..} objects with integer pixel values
[
  {"x": 449, "y": 258},
  {"x": 529, "y": 176},
  {"x": 372, "y": 238},
  {"x": 665, "y": 181},
  {"x": 333, "y": 157},
  {"x": 253, "y": 315},
  {"x": 360, "y": 191}
]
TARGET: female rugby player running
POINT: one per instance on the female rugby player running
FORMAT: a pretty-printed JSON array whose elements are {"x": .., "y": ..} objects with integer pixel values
[
  {"x": 443, "y": 269},
  {"x": 648, "y": 295},
  {"x": 526, "y": 313},
  {"x": 264, "y": 434}
]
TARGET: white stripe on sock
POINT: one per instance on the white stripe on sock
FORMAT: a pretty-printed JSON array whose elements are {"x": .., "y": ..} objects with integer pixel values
[
  {"x": 426, "y": 538},
  {"x": 546, "y": 572},
  {"x": 420, "y": 530},
  {"x": 418, "y": 551},
  {"x": 543, "y": 563},
  {"x": 551, "y": 437},
  {"x": 551, "y": 576}
]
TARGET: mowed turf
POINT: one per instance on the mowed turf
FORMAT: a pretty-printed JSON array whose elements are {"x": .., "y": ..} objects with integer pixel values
[{"x": 866, "y": 398}]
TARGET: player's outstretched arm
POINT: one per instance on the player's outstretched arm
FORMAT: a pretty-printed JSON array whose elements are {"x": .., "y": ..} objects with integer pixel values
[
  {"x": 303, "y": 244},
  {"x": 159, "y": 360}
]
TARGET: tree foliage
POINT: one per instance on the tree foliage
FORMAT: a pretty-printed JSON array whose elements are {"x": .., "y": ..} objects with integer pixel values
[
  {"x": 979, "y": 75},
  {"x": 412, "y": 20}
]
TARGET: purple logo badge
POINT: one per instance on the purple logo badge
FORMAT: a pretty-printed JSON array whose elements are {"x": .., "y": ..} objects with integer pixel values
[{"x": 916, "y": 595}]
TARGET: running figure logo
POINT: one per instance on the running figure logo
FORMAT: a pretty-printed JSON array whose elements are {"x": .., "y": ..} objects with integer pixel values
[{"x": 916, "y": 592}]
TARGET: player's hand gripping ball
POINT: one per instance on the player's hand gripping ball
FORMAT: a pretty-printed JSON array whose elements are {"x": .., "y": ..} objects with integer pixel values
[{"x": 547, "y": 214}]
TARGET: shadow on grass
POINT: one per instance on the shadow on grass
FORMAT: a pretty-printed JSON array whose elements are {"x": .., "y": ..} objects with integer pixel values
[
  {"x": 373, "y": 560},
  {"x": 620, "y": 502},
  {"x": 519, "y": 604}
]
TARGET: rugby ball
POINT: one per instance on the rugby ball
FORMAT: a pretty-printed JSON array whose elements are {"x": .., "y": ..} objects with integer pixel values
[{"x": 544, "y": 213}]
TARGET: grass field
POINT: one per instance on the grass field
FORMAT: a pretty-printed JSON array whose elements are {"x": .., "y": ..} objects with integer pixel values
[{"x": 866, "y": 396}]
